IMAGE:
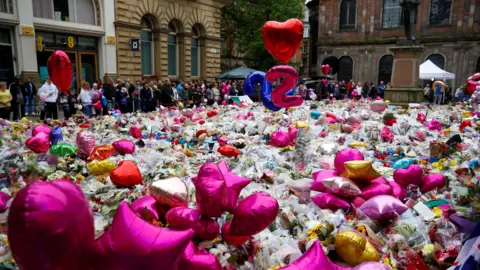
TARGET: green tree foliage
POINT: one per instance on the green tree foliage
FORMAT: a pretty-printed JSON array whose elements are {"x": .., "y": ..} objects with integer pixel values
[{"x": 242, "y": 22}]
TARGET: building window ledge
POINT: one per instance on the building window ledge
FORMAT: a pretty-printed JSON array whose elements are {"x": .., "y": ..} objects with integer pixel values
[
  {"x": 390, "y": 28},
  {"x": 440, "y": 25},
  {"x": 342, "y": 30}
]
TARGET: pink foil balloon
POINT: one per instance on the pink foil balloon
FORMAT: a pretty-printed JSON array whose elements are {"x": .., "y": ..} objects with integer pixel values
[
  {"x": 383, "y": 207},
  {"x": 319, "y": 176},
  {"x": 433, "y": 181},
  {"x": 222, "y": 141},
  {"x": 331, "y": 120},
  {"x": 146, "y": 208},
  {"x": 259, "y": 207},
  {"x": 41, "y": 128},
  {"x": 330, "y": 201},
  {"x": 124, "y": 147},
  {"x": 290, "y": 76},
  {"x": 378, "y": 106},
  {"x": 234, "y": 183},
  {"x": 413, "y": 175},
  {"x": 135, "y": 132},
  {"x": 280, "y": 139},
  {"x": 133, "y": 243},
  {"x": 341, "y": 186},
  {"x": 375, "y": 189},
  {"x": 39, "y": 143},
  {"x": 194, "y": 259},
  {"x": 292, "y": 133},
  {"x": 358, "y": 201},
  {"x": 347, "y": 128},
  {"x": 347, "y": 154},
  {"x": 50, "y": 226},
  {"x": 183, "y": 218},
  {"x": 380, "y": 180},
  {"x": 387, "y": 135},
  {"x": 314, "y": 258},
  {"x": 434, "y": 124},
  {"x": 210, "y": 191},
  {"x": 372, "y": 266},
  {"x": 242, "y": 116},
  {"x": 397, "y": 190},
  {"x": 231, "y": 239},
  {"x": 4, "y": 198},
  {"x": 85, "y": 144}
]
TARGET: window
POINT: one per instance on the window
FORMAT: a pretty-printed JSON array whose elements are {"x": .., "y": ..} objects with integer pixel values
[
  {"x": 391, "y": 13},
  {"x": 146, "y": 47},
  {"x": 385, "y": 69},
  {"x": 172, "y": 50},
  {"x": 347, "y": 14},
  {"x": 77, "y": 11},
  {"x": 440, "y": 12},
  {"x": 313, "y": 39},
  {"x": 6, "y": 6},
  {"x": 477, "y": 69},
  {"x": 345, "y": 71},
  {"x": 437, "y": 59},
  {"x": 195, "y": 56}
]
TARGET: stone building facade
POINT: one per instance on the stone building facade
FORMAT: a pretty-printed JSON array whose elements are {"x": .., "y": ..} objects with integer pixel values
[
  {"x": 357, "y": 35},
  {"x": 179, "y": 39}
]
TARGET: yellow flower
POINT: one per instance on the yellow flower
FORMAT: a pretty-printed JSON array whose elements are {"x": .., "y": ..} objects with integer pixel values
[
  {"x": 313, "y": 232},
  {"x": 275, "y": 267},
  {"x": 453, "y": 162}
]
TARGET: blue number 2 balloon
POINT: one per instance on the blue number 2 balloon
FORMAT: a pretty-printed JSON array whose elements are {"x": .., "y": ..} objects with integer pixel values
[{"x": 258, "y": 77}]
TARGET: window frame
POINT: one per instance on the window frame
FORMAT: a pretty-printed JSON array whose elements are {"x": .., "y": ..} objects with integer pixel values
[
  {"x": 449, "y": 15},
  {"x": 353, "y": 67},
  {"x": 96, "y": 22},
  {"x": 177, "y": 55},
  {"x": 151, "y": 41},
  {"x": 197, "y": 38},
  {"x": 399, "y": 25},
  {"x": 348, "y": 27}
]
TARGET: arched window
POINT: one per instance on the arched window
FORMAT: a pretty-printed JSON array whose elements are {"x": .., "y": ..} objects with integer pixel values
[
  {"x": 440, "y": 12},
  {"x": 147, "y": 46},
  {"x": 172, "y": 50},
  {"x": 391, "y": 13},
  {"x": 477, "y": 69},
  {"x": 345, "y": 71},
  {"x": 437, "y": 59},
  {"x": 348, "y": 14},
  {"x": 385, "y": 69},
  {"x": 195, "y": 52},
  {"x": 77, "y": 11}
]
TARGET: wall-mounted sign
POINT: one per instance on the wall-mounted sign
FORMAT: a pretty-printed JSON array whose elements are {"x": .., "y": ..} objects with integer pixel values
[
  {"x": 111, "y": 40},
  {"x": 27, "y": 30},
  {"x": 40, "y": 43},
  {"x": 71, "y": 42},
  {"x": 135, "y": 44}
]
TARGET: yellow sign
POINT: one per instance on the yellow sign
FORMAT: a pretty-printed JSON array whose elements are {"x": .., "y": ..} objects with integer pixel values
[
  {"x": 71, "y": 42},
  {"x": 111, "y": 40},
  {"x": 27, "y": 30},
  {"x": 40, "y": 44}
]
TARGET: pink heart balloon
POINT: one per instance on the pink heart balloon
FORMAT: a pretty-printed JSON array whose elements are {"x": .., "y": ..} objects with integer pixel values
[
  {"x": 383, "y": 207},
  {"x": 375, "y": 189},
  {"x": 133, "y": 243},
  {"x": 234, "y": 183},
  {"x": 135, "y": 132},
  {"x": 319, "y": 177},
  {"x": 413, "y": 175},
  {"x": 183, "y": 218},
  {"x": 433, "y": 181},
  {"x": 330, "y": 201},
  {"x": 194, "y": 259},
  {"x": 292, "y": 133},
  {"x": 41, "y": 128},
  {"x": 210, "y": 191},
  {"x": 259, "y": 207},
  {"x": 397, "y": 190},
  {"x": 326, "y": 69},
  {"x": 372, "y": 266},
  {"x": 314, "y": 258},
  {"x": 280, "y": 139},
  {"x": 124, "y": 147},
  {"x": 347, "y": 154},
  {"x": 50, "y": 226},
  {"x": 39, "y": 143},
  {"x": 85, "y": 144}
]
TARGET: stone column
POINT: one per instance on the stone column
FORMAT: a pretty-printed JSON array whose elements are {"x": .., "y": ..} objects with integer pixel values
[
  {"x": 183, "y": 39},
  {"x": 25, "y": 40},
  {"x": 161, "y": 54},
  {"x": 107, "y": 45},
  {"x": 405, "y": 75},
  {"x": 212, "y": 57},
  {"x": 203, "y": 57},
  {"x": 187, "y": 62}
]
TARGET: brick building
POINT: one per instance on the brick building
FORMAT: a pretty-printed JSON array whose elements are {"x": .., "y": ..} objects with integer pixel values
[
  {"x": 179, "y": 39},
  {"x": 357, "y": 34}
]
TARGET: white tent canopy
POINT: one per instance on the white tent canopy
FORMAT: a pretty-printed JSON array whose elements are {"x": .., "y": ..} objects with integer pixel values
[{"x": 429, "y": 70}]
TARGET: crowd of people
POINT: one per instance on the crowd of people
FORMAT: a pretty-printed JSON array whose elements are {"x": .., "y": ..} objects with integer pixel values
[{"x": 21, "y": 99}]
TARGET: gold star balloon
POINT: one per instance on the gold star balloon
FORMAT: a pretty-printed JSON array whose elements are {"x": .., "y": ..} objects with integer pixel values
[
  {"x": 354, "y": 248},
  {"x": 360, "y": 171}
]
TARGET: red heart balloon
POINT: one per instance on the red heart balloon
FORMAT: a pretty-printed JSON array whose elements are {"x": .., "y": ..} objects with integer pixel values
[
  {"x": 60, "y": 69},
  {"x": 326, "y": 69},
  {"x": 126, "y": 174},
  {"x": 283, "y": 40}
]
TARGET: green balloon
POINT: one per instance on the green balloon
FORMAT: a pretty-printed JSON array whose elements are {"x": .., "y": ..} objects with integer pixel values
[{"x": 63, "y": 150}]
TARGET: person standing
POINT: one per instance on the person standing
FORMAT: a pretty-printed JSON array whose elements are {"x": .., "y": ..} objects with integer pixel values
[
  {"x": 183, "y": 94},
  {"x": 373, "y": 91},
  {"x": 5, "y": 99},
  {"x": 86, "y": 98},
  {"x": 109, "y": 93},
  {"x": 72, "y": 101},
  {"x": 381, "y": 89},
  {"x": 145, "y": 97},
  {"x": 438, "y": 94},
  {"x": 167, "y": 95},
  {"x": 64, "y": 104},
  {"x": 30, "y": 93},
  {"x": 17, "y": 105},
  {"x": 51, "y": 92}
]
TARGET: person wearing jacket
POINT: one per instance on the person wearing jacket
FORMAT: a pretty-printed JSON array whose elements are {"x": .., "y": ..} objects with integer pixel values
[
  {"x": 86, "y": 98},
  {"x": 184, "y": 94},
  {"x": 29, "y": 96},
  {"x": 18, "y": 99},
  {"x": 51, "y": 93},
  {"x": 167, "y": 96},
  {"x": 146, "y": 96},
  {"x": 109, "y": 92}
]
